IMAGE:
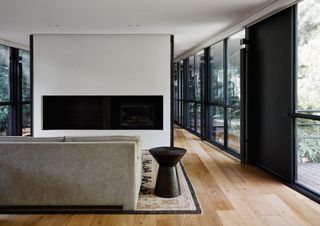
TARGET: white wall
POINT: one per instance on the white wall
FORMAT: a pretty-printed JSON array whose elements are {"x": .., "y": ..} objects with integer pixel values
[{"x": 102, "y": 65}]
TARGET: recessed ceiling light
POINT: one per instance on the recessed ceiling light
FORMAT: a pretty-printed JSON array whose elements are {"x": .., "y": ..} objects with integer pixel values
[{"x": 134, "y": 25}]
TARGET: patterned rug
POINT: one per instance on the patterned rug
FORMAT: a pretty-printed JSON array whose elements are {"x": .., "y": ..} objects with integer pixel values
[{"x": 148, "y": 203}]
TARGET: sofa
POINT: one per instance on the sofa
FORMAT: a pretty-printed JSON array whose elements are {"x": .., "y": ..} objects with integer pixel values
[{"x": 70, "y": 171}]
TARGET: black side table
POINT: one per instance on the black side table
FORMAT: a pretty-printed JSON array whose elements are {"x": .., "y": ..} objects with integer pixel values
[{"x": 167, "y": 184}]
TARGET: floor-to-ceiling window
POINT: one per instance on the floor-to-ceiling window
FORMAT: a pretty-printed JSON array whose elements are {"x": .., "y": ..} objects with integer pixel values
[
  {"x": 198, "y": 71},
  {"x": 210, "y": 93},
  {"x": 24, "y": 62},
  {"x": 181, "y": 94},
  {"x": 307, "y": 120},
  {"x": 190, "y": 106},
  {"x": 233, "y": 90},
  {"x": 194, "y": 74},
  {"x": 175, "y": 92},
  {"x": 178, "y": 85},
  {"x": 15, "y": 105},
  {"x": 5, "y": 92},
  {"x": 224, "y": 93},
  {"x": 216, "y": 110}
]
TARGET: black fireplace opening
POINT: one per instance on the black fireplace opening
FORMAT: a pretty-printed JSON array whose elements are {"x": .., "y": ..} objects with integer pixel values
[
  {"x": 135, "y": 115},
  {"x": 102, "y": 112}
]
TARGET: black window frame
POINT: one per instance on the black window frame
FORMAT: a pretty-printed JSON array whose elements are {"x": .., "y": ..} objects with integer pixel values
[
  {"x": 205, "y": 101},
  {"x": 15, "y": 86}
]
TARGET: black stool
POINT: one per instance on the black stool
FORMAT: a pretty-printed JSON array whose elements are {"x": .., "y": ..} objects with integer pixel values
[{"x": 167, "y": 184}]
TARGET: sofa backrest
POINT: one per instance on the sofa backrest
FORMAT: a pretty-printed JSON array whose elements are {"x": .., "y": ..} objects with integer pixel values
[
  {"x": 101, "y": 138},
  {"x": 69, "y": 139},
  {"x": 19, "y": 139},
  {"x": 104, "y": 139}
]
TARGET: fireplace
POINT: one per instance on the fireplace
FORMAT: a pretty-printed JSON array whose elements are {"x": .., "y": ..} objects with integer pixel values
[
  {"x": 102, "y": 112},
  {"x": 137, "y": 116}
]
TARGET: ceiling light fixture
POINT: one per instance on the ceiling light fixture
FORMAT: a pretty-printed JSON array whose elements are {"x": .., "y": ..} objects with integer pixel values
[{"x": 134, "y": 25}]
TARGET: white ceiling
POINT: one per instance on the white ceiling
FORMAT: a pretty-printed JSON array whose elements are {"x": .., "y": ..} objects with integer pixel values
[{"x": 190, "y": 21}]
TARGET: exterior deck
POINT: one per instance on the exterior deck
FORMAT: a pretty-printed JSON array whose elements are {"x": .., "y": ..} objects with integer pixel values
[{"x": 309, "y": 175}]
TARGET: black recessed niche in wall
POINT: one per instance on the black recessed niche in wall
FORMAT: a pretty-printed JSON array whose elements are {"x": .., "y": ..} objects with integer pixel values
[{"x": 102, "y": 112}]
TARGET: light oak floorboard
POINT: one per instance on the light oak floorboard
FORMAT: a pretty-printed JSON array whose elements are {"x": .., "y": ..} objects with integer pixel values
[{"x": 229, "y": 193}]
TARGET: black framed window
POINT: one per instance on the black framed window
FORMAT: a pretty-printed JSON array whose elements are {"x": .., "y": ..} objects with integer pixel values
[
  {"x": 216, "y": 94},
  {"x": 176, "y": 92},
  {"x": 210, "y": 93},
  {"x": 233, "y": 90},
  {"x": 15, "y": 102},
  {"x": 307, "y": 106},
  {"x": 5, "y": 92},
  {"x": 178, "y": 83},
  {"x": 193, "y": 102}
]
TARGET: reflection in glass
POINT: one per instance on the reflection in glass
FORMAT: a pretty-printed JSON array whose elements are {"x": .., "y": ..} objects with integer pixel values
[
  {"x": 308, "y": 65},
  {"x": 191, "y": 79},
  {"x": 191, "y": 116},
  {"x": 176, "y": 84},
  {"x": 176, "y": 110},
  {"x": 216, "y": 73},
  {"x": 26, "y": 120},
  {"x": 198, "y": 72},
  {"x": 216, "y": 124},
  {"x": 4, "y": 74},
  {"x": 25, "y": 61},
  {"x": 198, "y": 129},
  {"x": 308, "y": 153},
  {"x": 4, "y": 120},
  {"x": 233, "y": 85},
  {"x": 181, "y": 78},
  {"x": 234, "y": 129},
  {"x": 180, "y": 112}
]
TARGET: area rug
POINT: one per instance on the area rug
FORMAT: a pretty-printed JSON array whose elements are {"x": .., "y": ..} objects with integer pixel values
[{"x": 148, "y": 203}]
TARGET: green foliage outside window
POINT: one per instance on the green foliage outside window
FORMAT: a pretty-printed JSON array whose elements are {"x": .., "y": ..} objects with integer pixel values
[
  {"x": 5, "y": 88},
  {"x": 308, "y": 81}
]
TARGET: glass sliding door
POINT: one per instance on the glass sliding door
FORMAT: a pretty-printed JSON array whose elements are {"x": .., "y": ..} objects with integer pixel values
[
  {"x": 233, "y": 90},
  {"x": 307, "y": 113}
]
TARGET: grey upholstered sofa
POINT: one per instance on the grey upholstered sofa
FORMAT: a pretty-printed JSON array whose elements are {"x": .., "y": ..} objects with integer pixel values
[{"x": 70, "y": 171}]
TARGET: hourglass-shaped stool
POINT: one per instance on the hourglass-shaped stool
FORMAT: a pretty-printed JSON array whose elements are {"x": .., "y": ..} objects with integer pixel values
[{"x": 167, "y": 184}]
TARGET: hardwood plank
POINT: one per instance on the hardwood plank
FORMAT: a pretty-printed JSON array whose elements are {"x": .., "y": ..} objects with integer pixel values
[
  {"x": 229, "y": 193},
  {"x": 81, "y": 220},
  {"x": 145, "y": 220},
  {"x": 167, "y": 220}
]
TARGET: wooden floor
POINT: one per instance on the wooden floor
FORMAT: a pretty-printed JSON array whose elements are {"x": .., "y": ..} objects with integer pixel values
[{"x": 230, "y": 194}]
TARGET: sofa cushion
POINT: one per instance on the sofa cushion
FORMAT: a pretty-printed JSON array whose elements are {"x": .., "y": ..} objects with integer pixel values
[{"x": 21, "y": 139}]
